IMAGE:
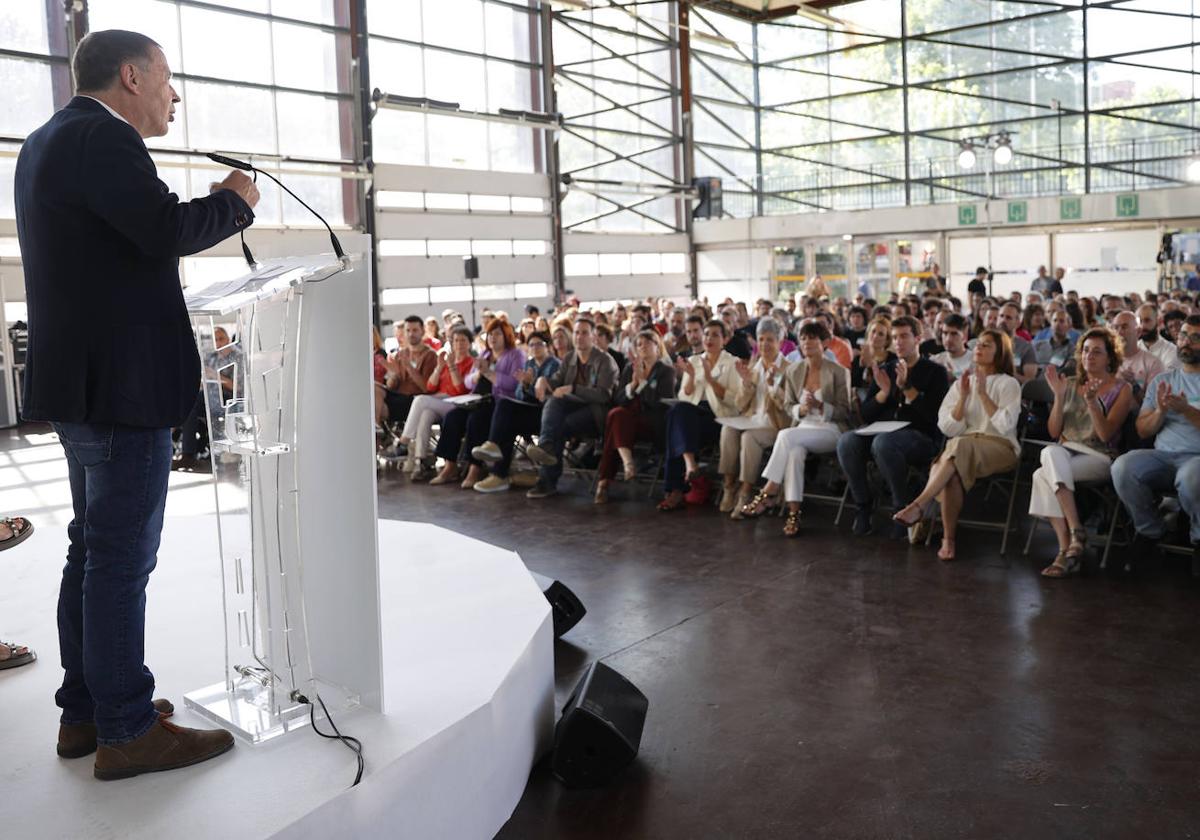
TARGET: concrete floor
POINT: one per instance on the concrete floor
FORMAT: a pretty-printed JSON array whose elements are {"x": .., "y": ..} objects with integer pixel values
[
  {"x": 826, "y": 686},
  {"x": 838, "y": 687}
]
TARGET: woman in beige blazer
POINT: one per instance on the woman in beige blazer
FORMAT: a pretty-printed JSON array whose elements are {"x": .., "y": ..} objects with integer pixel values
[
  {"x": 760, "y": 400},
  {"x": 817, "y": 396}
]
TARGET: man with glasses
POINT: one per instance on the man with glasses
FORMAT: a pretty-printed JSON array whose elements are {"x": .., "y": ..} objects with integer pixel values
[{"x": 1170, "y": 414}]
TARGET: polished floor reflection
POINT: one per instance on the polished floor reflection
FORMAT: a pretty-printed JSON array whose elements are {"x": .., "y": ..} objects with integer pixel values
[{"x": 835, "y": 687}]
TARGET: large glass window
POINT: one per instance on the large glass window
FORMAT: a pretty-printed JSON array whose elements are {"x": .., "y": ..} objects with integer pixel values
[
  {"x": 285, "y": 101},
  {"x": 797, "y": 116},
  {"x": 476, "y": 53}
]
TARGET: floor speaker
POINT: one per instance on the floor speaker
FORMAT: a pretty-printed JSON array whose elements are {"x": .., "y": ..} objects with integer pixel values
[
  {"x": 565, "y": 608},
  {"x": 600, "y": 729}
]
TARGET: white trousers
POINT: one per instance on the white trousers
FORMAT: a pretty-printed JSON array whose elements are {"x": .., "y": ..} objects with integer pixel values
[
  {"x": 745, "y": 448},
  {"x": 426, "y": 410},
  {"x": 792, "y": 448},
  {"x": 1062, "y": 466}
]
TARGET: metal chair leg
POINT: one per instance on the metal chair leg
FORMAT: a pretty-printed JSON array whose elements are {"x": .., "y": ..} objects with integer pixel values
[
  {"x": 1012, "y": 503},
  {"x": 842, "y": 504},
  {"x": 1112, "y": 529},
  {"x": 1035, "y": 521}
]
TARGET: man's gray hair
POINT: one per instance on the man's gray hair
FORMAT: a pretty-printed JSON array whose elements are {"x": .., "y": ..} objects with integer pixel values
[{"x": 100, "y": 56}]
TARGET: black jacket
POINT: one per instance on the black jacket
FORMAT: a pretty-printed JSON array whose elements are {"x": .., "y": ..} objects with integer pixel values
[
  {"x": 659, "y": 386},
  {"x": 101, "y": 236},
  {"x": 928, "y": 379}
]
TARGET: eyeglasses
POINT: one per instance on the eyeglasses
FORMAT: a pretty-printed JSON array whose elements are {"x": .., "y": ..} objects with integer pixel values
[
  {"x": 1190, "y": 336},
  {"x": 536, "y": 344}
]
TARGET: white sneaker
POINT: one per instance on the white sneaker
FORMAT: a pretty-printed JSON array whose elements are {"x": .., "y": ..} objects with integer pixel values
[
  {"x": 492, "y": 484},
  {"x": 541, "y": 457},
  {"x": 488, "y": 452}
]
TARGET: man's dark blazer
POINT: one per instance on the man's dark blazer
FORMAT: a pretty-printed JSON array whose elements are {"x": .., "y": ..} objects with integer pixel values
[{"x": 101, "y": 237}]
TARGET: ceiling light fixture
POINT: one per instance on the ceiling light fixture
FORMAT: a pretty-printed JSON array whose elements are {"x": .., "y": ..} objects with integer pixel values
[{"x": 966, "y": 158}]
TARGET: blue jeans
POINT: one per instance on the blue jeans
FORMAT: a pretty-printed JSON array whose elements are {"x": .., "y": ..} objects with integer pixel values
[
  {"x": 1140, "y": 475},
  {"x": 118, "y": 477},
  {"x": 893, "y": 452},
  {"x": 562, "y": 419},
  {"x": 689, "y": 429}
]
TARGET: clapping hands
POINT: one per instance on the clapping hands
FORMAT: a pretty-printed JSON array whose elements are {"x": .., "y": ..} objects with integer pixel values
[{"x": 1057, "y": 382}]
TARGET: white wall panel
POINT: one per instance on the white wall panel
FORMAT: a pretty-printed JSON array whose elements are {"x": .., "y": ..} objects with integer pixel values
[
  {"x": 630, "y": 287},
  {"x": 624, "y": 243},
  {"x": 440, "y": 179},
  {"x": 416, "y": 225}
]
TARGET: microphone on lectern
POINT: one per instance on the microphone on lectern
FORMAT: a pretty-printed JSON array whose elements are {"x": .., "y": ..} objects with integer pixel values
[{"x": 249, "y": 167}]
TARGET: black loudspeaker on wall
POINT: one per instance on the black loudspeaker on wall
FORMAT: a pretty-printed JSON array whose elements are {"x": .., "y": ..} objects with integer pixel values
[
  {"x": 600, "y": 729},
  {"x": 709, "y": 204},
  {"x": 471, "y": 268}
]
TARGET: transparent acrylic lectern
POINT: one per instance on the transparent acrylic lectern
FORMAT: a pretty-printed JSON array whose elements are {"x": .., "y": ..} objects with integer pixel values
[{"x": 287, "y": 393}]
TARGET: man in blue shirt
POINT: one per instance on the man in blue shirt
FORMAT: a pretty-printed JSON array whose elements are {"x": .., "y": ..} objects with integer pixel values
[{"x": 1171, "y": 414}]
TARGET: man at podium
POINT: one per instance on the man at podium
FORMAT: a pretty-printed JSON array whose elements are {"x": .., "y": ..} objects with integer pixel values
[{"x": 113, "y": 366}]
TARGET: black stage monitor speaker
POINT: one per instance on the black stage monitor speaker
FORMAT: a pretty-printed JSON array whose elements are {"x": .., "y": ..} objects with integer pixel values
[
  {"x": 566, "y": 608},
  {"x": 471, "y": 268},
  {"x": 600, "y": 729}
]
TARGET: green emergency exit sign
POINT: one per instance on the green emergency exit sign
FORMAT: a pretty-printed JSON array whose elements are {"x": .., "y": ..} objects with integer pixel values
[
  {"x": 1070, "y": 209},
  {"x": 1018, "y": 211},
  {"x": 1127, "y": 205},
  {"x": 967, "y": 214}
]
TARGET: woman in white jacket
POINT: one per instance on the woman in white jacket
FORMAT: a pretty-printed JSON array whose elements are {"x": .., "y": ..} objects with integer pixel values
[
  {"x": 708, "y": 389},
  {"x": 979, "y": 419}
]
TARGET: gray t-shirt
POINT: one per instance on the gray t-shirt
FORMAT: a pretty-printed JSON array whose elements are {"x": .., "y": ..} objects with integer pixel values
[{"x": 1177, "y": 433}]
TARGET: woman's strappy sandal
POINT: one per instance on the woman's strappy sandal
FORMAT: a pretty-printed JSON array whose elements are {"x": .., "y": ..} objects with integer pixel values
[{"x": 763, "y": 502}]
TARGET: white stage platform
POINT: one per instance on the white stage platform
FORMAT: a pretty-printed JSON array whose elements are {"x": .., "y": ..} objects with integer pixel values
[{"x": 468, "y": 687}]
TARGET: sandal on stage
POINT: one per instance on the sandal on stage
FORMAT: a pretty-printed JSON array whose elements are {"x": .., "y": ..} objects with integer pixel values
[
  {"x": 674, "y": 501},
  {"x": 946, "y": 553},
  {"x": 1078, "y": 546},
  {"x": 601, "y": 497},
  {"x": 763, "y": 502},
  {"x": 13, "y": 659},
  {"x": 906, "y": 521},
  {"x": 19, "y": 530},
  {"x": 791, "y": 525},
  {"x": 1063, "y": 566},
  {"x": 629, "y": 470}
]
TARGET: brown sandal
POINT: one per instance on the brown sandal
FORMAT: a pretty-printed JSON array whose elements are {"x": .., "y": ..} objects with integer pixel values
[
  {"x": 20, "y": 529},
  {"x": 1064, "y": 565},
  {"x": 14, "y": 659},
  {"x": 673, "y": 501},
  {"x": 763, "y": 502}
]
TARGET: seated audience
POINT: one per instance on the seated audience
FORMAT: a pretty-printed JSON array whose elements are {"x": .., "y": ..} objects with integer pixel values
[
  {"x": 1169, "y": 415},
  {"x": 759, "y": 391},
  {"x": 1172, "y": 323},
  {"x": 1139, "y": 366},
  {"x": 874, "y": 350},
  {"x": 408, "y": 368},
  {"x": 577, "y": 398},
  {"x": 955, "y": 358},
  {"x": 519, "y": 415},
  {"x": 910, "y": 390},
  {"x": 708, "y": 387},
  {"x": 1150, "y": 338},
  {"x": 640, "y": 411},
  {"x": 560, "y": 340},
  {"x": 1086, "y": 419},
  {"x": 433, "y": 336},
  {"x": 1058, "y": 346},
  {"x": 979, "y": 417},
  {"x": 1025, "y": 363},
  {"x": 839, "y": 347},
  {"x": 494, "y": 377},
  {"x": 604, "y": 342},
  {"x": 817, "y": 396},
  {"x": 694, "y": 337},
  {"x": 1033, "y": 322},
  {"x": 738, "y": 345},
  {"x": 447, "y": 380}
]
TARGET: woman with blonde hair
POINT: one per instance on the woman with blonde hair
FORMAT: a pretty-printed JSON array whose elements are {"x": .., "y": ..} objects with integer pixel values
[
  {"x": 1086, "y": 419},
  {"x": 979, "y": 419},
  {"x": 876, "y": 349}
]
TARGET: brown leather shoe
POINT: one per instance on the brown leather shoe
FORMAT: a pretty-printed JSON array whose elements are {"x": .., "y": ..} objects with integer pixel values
[
  {"x": 164, "y": 747},
  {"x": 75, "y": 740}
]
